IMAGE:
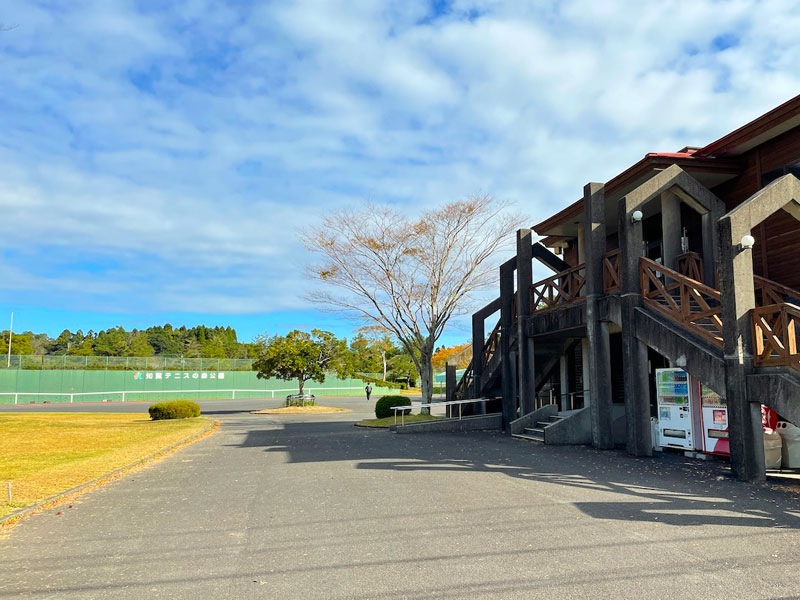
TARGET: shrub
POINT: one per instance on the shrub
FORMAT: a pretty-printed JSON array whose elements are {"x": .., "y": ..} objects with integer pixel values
[
  {"x": 179, "y": 409},
  {"x": 383, "y": 407},
  {"x": 301, "y": 400}
]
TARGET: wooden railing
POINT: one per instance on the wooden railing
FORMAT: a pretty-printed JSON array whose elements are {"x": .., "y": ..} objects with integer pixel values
[
  {"x": 611, "y": 272},
  {"x": 691, "y": 265},
  {"x": 776, "y": 329},
  {"x": 771, "y": 292},
  {"x": 464, "y": 385},
  {"x": 562, "y": 288},
  {"x": 492, "y": 345},
  {"x": 684, "y": 300}
]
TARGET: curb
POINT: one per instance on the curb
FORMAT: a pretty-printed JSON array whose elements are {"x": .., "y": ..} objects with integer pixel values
[{"x": 43, "y": 504}]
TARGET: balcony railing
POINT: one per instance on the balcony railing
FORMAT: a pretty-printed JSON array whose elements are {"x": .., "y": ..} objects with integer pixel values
[
  {"x": 771, "y": 292},
  {"x": 691, "y": 265},
  {"x": 611, "y": 272},
  {"x": 776, "y": 329},
  {"x": 694, "y": 305},
  {"x": 561, "y": 289}
]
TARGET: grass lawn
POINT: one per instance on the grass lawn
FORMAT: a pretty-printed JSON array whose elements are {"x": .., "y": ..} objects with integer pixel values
[
  {"x": 388, "y": 421},
  {"x": 43, "y": 454}
]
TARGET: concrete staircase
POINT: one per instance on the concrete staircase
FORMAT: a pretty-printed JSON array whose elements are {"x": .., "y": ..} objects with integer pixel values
[{"x": 537, "y": 433}]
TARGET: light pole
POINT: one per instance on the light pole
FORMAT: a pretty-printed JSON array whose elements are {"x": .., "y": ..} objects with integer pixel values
[{"x": 10, "y": 329}]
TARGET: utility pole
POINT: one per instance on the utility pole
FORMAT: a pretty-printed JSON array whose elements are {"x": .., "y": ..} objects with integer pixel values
[{"x": 10, "y": 329}]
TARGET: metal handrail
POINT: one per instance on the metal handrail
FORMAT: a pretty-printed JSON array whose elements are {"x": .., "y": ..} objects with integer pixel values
[
  {"x": 571, "y": 395},
  {"x": 431, "y": 404}
]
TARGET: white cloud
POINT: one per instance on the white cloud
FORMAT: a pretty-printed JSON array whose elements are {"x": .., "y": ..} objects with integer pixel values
[{"x": 187, "y": 144}]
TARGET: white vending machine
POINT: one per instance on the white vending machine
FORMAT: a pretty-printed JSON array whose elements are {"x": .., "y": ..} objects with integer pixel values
[{"x": 675, "y": 418}]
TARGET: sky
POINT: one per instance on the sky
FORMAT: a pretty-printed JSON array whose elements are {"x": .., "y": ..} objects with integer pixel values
[{"x": 157, "y": 159}]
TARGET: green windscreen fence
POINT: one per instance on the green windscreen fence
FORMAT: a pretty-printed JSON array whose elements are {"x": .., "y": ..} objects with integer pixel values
[
  {"x": 150, "y": 363},
  {"x": 73, "y": 385}
]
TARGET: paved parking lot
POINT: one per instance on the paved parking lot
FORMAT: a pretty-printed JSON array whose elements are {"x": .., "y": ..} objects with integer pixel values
[{"x": 312, "y": 507}]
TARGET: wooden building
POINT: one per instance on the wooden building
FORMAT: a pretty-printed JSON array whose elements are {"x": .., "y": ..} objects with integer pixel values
[{"x": 655, "y": 268}]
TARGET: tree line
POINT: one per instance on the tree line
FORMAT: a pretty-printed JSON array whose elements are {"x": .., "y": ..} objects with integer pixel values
[{"x": 159, "y": 340}]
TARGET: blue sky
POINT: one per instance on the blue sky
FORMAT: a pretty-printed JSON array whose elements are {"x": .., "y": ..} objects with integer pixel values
[{"x": 157, "y": 158}]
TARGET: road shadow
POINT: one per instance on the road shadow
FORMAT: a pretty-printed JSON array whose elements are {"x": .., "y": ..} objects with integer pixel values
[{"x": 668, "y": 489}]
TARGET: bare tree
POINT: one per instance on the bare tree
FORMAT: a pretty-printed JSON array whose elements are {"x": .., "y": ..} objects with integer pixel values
[{"x": 410, "y": 276}]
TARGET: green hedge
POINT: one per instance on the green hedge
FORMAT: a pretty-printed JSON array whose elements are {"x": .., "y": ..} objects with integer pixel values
[
  {"x": 179, "y": 409},
  {"x": 392, "y": 385},
  {"x": 383, "y": 407}
]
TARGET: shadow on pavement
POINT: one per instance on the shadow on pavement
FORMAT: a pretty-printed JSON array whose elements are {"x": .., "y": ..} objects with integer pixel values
[{"x": 669, "y": 489}]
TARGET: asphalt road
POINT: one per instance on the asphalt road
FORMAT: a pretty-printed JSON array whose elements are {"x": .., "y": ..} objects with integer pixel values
[{"x": 312, "y": 507}]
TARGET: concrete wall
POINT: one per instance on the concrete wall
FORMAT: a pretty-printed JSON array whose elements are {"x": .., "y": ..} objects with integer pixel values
[
  {"x": 492, "y": 422},
  {"x": 576, "y": 428}
]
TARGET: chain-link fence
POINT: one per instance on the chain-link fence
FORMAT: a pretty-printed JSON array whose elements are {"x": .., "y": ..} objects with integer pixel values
[{"x": 35, "y": 362}]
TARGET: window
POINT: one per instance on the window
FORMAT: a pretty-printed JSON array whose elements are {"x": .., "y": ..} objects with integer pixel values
[{"x": 769, "y": 177}]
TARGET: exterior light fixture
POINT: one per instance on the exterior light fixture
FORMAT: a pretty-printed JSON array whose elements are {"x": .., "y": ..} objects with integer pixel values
[
  {"x": 636, "y": 217},
  {"x": 747, "y": 242}
]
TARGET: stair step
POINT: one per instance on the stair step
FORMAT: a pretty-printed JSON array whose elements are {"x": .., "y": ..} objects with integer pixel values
[
  {"x": 534, "y": 431},
  {"x": 543, "y": 424},
  {"x": 529, "y": 438},
  {"x": 556, "y": 418}
]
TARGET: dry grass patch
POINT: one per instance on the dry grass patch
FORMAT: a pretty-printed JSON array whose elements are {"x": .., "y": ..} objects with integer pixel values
[
  {"x": 301, "y": 410},
  {"x": 43, "y": 454}
]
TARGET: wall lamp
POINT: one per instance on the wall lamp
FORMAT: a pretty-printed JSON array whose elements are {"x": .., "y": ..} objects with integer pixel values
[
  {"x": 636, "y": 217},
  {"x": 747, "y": 242}
]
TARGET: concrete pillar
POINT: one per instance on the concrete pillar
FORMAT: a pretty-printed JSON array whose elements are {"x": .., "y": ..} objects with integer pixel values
[
  {"x": 525, "y": 371},
  {"x": 709, "y": 248},
  {"x": 738, "y": 299},
  {"x": 587, "y": 397},
  {"x": 634, "y": 352},
  {"x": 670, "y": 227},
  {"x": 564, "y": 383},
  {"x": 509, "y": 383},
  {"x": 597, "y": 355},
  {"x": 514, "y": 362},
  {"x": 450, "y": 382}
]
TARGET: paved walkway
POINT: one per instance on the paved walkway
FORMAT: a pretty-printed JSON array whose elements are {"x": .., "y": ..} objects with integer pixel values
[{"x": 286, "y": 507}]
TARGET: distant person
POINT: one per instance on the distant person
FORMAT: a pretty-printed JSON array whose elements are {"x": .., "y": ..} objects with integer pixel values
[{"x": 368, "y": 389}]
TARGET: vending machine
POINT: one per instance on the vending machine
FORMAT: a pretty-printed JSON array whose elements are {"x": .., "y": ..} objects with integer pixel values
[
  {"x": 714, "y": 422},
  {"x": 675, "y": 419}
]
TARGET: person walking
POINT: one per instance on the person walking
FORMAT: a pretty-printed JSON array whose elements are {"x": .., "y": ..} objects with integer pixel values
[{"x": 368, "y": 390}]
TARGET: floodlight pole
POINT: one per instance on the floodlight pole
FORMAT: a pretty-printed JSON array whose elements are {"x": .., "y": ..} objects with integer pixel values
[{"x": 10, "y": 329}]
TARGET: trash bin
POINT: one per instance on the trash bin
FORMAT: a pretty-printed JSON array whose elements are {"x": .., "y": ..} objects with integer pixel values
[
  {"x": 654, "y": 434},
  {"x": 772, "y": 448},
  {"x": 790, "y": 436}
]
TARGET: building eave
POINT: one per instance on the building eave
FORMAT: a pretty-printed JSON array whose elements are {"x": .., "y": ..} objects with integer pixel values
[{"x": 756, "y": 132}]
